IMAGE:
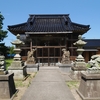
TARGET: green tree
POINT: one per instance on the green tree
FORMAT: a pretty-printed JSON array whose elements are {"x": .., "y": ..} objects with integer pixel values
[
  {"x": 3, "y": 34},
  {"x": 3, "y": 49},
  {"x": 11, "y": 51}
]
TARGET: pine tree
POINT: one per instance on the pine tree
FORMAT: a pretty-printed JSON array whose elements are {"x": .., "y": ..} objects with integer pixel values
[{"x": 3, "y": 34}]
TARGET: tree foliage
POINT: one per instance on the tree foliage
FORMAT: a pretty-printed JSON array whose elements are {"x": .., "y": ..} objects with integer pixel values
[
  {"x": 11, "y": 50},
  {"x": 3, "y": 49},
  {"x": 3, "y": 34}
]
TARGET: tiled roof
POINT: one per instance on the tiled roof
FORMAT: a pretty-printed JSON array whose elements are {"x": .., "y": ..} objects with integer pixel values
[
  {"x": 48, "y": 23},
  {"x": 92, "y": 43}
]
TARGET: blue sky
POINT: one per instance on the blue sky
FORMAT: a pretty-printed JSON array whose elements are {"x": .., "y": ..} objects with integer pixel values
[{"x": 81, "y": 11}]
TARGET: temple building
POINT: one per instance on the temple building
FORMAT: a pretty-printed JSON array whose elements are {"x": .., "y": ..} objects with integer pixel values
[{"x": 49, "y": 34}]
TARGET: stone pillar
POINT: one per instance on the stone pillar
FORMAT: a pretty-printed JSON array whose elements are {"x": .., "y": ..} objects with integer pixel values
[{"x": 17, "y": 67}]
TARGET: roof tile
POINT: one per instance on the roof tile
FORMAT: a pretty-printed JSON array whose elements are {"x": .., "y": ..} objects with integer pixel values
[{"x": 48, "y": 23}]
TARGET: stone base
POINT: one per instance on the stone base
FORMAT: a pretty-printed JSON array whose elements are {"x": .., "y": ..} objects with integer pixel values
[
  {"x": 76, "y": 72},
  {"x": 89, "y": 88},
  {"x": 79, "y": 68},
  {"x": 2, "y": 72},
  {"x": 32, "y": 68},
  {"x": 7, "y": 87},
  {"x": 65, "y": 67},
  {"x": 19, "y": 72},
  {"x": 17, "y": 64},
  {"x": 76, "y": 75},
  {"x": 65, "y": 62}
]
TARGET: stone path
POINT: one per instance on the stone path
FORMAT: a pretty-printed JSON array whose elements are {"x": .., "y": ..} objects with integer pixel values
[{"x": 48, "y": 84}]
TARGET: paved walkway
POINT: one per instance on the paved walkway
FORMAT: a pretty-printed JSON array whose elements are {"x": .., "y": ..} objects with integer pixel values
[{"x": 48, "y": 84}]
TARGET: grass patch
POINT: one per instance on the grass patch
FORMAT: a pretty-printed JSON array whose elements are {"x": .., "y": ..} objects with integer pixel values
[
  {"x": 8, "y": 62},
  {"x": 25, "y": 83},
  {"x": 72, "y": 84},
  {"x": 20, "y": 84},
  {"x": 88, "y": 65}
]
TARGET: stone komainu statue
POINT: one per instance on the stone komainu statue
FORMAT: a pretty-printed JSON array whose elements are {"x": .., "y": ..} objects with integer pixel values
[
  {"x": 94, "y": 64},
  {"x": 65, "y": 57},
  {"x": 30, "y": 57},
  {"x": 95, "y": 61},
  {"x": 2, "y": 65}
]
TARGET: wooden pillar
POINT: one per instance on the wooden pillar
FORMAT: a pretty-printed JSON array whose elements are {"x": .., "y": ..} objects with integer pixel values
[
  {"x": 31, "y": 45},
  {"x": 66, "y": 42},
  {"x": 71, "y": 45},
  {"x": 42, "y": 56},
  {"x": 48, "y": 56},
  {"x": 54, "y": 57},
  {"x": 60, "y": 53}
]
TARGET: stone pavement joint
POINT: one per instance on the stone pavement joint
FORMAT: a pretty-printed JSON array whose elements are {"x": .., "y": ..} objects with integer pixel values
[{"x": 48, "y": 84}]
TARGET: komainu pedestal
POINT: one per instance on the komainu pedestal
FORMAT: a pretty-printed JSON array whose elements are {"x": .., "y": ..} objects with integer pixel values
[
  {"x": 89, "y": 88},
  {"x": 7, "y": 87}
]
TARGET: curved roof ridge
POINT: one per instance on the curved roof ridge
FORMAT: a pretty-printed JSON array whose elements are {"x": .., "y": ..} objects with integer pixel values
[
  {"x": 81, "y": 24},
  {"x": 21, "y": 24},
  {"x": 48, "y": 15}
]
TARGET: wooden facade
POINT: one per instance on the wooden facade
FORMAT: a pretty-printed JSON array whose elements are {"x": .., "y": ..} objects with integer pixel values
[
  {"x": 49, "y": 34},
  {"x": 49, "y": 47}
]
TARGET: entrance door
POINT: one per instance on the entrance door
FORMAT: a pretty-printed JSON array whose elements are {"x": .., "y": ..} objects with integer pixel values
[
  {"x": 45, "y": 56},
  {"x": 49, "y": 55}
]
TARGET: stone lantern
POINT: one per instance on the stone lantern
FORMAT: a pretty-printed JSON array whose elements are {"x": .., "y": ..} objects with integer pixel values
[
  {"x": 79, "y": 65},
  {"x": 17, "y": 49},
  {"x": 80, "y": 43},
  {"x": 17, "y": 66}
]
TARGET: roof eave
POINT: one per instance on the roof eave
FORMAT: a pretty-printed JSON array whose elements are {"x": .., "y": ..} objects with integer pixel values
[{"x": 67, "y": 32}]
